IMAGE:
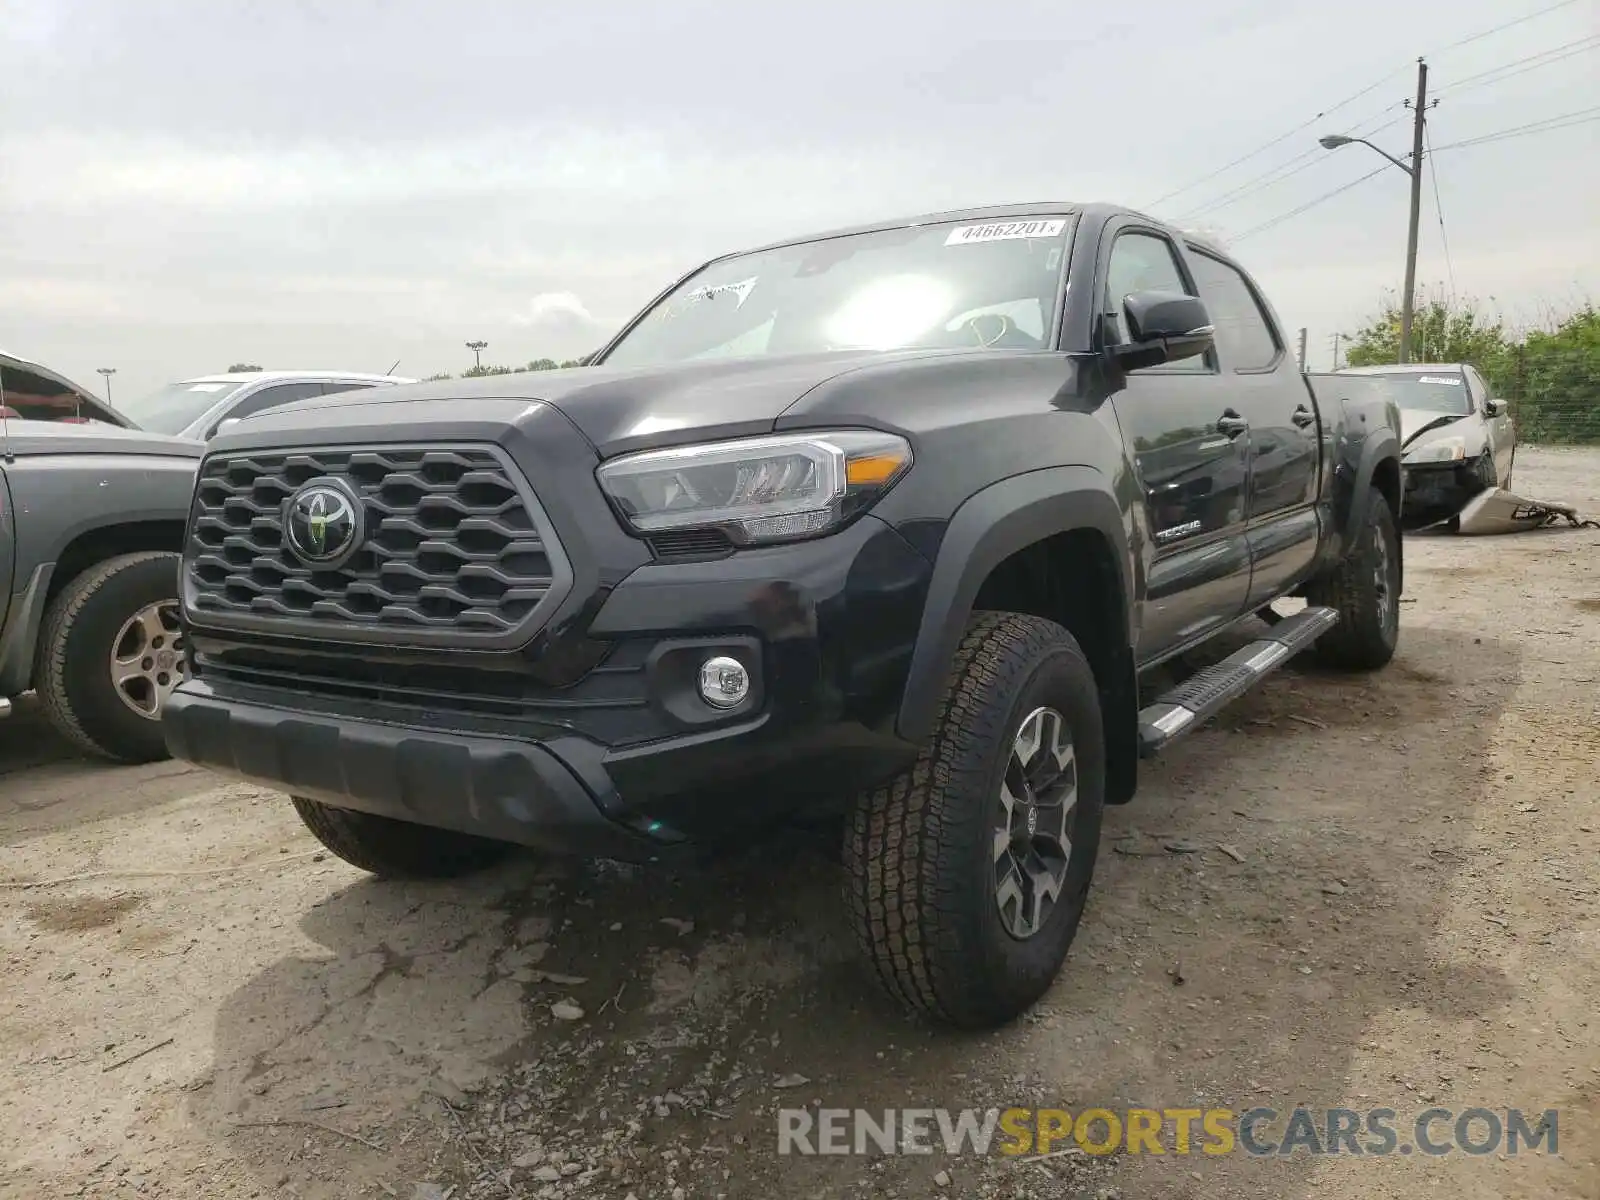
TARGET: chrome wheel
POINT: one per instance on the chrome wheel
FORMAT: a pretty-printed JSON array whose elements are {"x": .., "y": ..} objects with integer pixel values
[
  {"x": 147, "y": 660},
  {"x": 1033, "y": 828}
]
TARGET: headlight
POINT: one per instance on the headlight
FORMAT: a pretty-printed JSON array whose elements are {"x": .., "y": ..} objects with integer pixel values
[
  {"x": 757, "y": 490},
  {"x": 1444, "y": 450}
]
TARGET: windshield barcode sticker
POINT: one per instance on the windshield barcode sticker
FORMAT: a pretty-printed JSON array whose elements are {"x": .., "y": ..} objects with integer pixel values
[
  {"x": 1004, "y": 230},
  {"x": 711, "y": 292},
  {"x": 1453, "y": 381}
]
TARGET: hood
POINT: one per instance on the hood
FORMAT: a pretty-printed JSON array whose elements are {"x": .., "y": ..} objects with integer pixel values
[
  {"x": 24, "y": 438},
  {"x": 35, "y": 391},
  {"x": 623, "y": 409},
  {"x": 1413, "y": 419}
]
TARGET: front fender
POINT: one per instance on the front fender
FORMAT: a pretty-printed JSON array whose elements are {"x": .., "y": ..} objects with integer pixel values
[
  {"x": 988, "y": 528},
  {"x": 59, "y": 498}
]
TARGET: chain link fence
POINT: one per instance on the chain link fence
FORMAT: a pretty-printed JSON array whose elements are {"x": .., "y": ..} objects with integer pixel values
[{"x": 1554, "y": 394}]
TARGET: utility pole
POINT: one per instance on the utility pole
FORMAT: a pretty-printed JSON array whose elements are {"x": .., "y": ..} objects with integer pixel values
[
  {"x": 1419, "y": 124},
  {"x": 1336, "y": 351},
  {"x": 1302, "y": 349},
  {"x": 108, "y": 372},
  {"x": 478, "y": 348}
]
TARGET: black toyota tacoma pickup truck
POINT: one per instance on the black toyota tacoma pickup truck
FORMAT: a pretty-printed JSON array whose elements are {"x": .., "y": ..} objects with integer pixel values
[{"x": 895, "y": 517}]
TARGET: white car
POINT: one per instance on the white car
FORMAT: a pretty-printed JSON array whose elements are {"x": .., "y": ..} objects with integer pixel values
[
  {"x": 1457, "y": 439},
  {"x": 195, "y": 408}
]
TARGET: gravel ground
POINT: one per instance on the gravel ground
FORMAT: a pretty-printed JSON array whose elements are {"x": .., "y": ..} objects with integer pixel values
[{"x": 199, "y": 1003}]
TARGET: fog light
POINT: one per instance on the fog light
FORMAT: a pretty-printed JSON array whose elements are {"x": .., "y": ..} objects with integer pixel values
[{"x": 724, "y": 683}]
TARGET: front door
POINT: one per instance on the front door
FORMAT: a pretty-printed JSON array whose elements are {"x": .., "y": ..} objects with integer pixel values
[
  {"x": 1190, "y": 448},
  {"x": 1502, "y": 436}
]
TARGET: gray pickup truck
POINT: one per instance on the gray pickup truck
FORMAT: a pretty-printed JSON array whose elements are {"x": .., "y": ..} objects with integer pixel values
[{"x": 91, "y": 514}]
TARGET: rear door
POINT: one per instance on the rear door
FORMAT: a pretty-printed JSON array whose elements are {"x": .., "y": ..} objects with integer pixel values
[
  {"x": 1264, "y": 384},
  {"x": 1189, "y": 446}
]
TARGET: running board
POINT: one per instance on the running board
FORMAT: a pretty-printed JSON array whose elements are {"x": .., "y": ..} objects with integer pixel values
[{"x": 1202, "y": 696}]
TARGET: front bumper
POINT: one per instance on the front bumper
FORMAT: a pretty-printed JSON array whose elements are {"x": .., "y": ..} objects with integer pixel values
[
  {"x": 590, "y": 740},
  {"x": 1432, "y": 489}
]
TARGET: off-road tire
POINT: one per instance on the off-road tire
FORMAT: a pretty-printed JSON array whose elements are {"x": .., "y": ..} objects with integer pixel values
[
  {"x": 1367, "y": 634},
  {"x": 396, "y": 849},
  {"x": 919, "y": 850},
  {"x": 72, "y": 668}
]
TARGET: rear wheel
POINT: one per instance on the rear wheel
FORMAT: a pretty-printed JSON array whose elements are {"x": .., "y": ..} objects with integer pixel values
[
  {"x": 1365, "y": 590},
  {"x": 396, "y": 849},
  {"x": 969, "y": 872}
]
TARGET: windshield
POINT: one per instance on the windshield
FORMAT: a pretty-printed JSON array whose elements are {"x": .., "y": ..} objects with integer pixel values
[
  {"x": 951, "y": 285},
  {"x": 1442, "y": 392},
  {"x": 175, "y": 407}
]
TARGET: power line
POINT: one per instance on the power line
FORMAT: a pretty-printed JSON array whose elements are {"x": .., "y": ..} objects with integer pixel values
[
  {"x": 1188, "y": 187},
  {"x": 1279, "y": 140},
  {"x": 1478, "y": 37},
  {"x": 1301, "y": 162},
  {"x": 1580, "y": 117},
  {"x": 1308, "y": 206},
  {"x": 1533, "y": 62},
  {"x": 1438, "y": 205}
]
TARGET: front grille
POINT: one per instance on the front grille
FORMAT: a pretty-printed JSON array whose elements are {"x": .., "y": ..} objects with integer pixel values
[{"x": 455, "y": 546}]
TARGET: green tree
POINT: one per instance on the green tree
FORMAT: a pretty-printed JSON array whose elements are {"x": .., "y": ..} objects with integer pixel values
[
  {"x": 1555, "y": 382},
  {"x": 1443, "y": 330},
  {"x": 238, "y": 367},
  {"x": 442, "y": 375}
]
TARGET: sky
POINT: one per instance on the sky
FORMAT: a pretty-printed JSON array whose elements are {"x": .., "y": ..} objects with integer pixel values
[{"x": 347, "y": 183}]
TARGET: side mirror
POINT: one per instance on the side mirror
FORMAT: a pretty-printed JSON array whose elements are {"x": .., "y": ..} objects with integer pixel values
[
  {"x": 1494, "y": 408},
  {"x": 224, "y": 426},
  {"x": 1164, "y": 327}
]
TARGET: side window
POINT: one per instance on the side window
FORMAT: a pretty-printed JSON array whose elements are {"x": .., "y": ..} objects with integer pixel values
[
  {"x": 271, "y": 397},
  {"x": 1245, "y": 340},
  {"x": 1479, "y": 387},
  {"x": 333, "y": 387},
  {"x": 1143, "y": 262}
]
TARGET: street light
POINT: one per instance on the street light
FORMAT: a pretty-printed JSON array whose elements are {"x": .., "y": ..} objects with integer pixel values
[
  {"x": 477, "y": 349},
  {"x": 1333, "y": 141},
  {"x": 108, "y": 372}
]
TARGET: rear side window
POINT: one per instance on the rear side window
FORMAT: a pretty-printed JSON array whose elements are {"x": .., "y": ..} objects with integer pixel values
[
  {"x": 334, "y": 386},
  {"x": 1245, "y": 341}
]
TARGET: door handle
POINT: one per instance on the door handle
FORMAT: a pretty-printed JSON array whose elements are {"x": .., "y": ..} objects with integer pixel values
[
  {"x": 1303, "y": 416},
  {"x": 1231, "y": 423}
]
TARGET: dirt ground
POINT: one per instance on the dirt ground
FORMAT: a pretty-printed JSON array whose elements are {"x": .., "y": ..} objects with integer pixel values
[{"x": 198, "y": 1003}]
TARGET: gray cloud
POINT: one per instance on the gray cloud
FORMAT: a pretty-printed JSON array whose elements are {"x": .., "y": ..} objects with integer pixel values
[{"x": 190, "y": 183}]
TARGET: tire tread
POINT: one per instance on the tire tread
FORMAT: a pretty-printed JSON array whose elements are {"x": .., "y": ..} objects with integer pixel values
[{"x": 901, "y": 839}]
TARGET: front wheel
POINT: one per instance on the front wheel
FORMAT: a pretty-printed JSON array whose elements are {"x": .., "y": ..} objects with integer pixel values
[
  {"x": 1365, "y": 590},
  {"x": 110, "y": 653},
  {"x": 967, "y": 874}
]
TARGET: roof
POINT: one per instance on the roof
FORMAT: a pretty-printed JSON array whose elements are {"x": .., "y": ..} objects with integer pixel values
[
  {"x": 1395, "y": 368},
  {"x": 253, "y": 376}
]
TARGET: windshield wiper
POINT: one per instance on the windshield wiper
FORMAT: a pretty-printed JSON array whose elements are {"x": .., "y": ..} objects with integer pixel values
[{"x": 1446, "y": 419}]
